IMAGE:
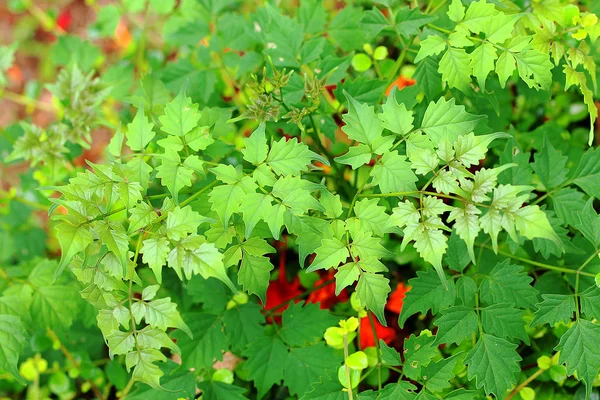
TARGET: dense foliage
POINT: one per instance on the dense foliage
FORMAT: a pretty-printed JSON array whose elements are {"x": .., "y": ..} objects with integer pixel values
[{"x": 305, "y": 199}]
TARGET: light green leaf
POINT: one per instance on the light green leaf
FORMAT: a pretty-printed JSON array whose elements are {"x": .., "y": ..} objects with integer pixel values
[
  {"x": 393, "y": 174},
  {"x": 139, "y": 132},
  {"x": 289, "y": 157},
  {"x": 331, "y": 253},
  {"x": 431, "y": 46},
  {"x": 254, "y": 275},
  {"x": 72, "y": 239},
  {"x": 445, "y": 118},
  {"x": 395, "y": 117},
  {"x": 535, "y": 68},
  {"x": 482, "y": 62},
  {"x": 362, "y": 124},
  {"x": 256, "y": 146},
  {"x": 372, "y": 290},
  {"x": 163, "y": 314},
  {"x": 478, "y": 15},
  {"x": 455, "y": 69},
  {"x": 181, "y": 116},
  {"x": 154, "y": 253},
  {"x": 12, "y": 341},
  {"x": 456, "y": 11},
  {"x": 356, "y": 157}
]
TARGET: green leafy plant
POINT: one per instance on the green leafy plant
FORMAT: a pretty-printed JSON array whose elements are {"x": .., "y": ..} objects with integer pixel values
[{"x": 306, "y": 202}]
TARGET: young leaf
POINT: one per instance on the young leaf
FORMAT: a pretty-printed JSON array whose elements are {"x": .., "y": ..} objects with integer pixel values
[{"x": 372, "y": 290}]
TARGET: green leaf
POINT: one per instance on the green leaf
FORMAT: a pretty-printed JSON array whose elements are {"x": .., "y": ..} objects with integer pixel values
[
  {"x": 419, "y": 351},
  {"x": 478, "y": 15},
  {"x": 437, "y": 376},
  {"x": 181, "y": 222},
  {"x": 493, "y": 362},
  {"x": 254, "y": 275},
  {"x": 550, "y": 166},
  {"x": 139, "y": 132},
  {"x": 589, "y": 223},
  {"x": 455, "y": 69},
  {"x": 305, "y": 366},
  {"x": 505, "y": 67},
  {"x": 500, "y": 27},
  {"x": 395, "y": 117},
  {"x": 456, "y": 11},
  {"x": 54, "y": 306},
  {"x": 456, "y": 324},
  {"x": 243, "y": 325},
  {"x": 587, "y": 173},
  {"x": 372, "y": 290},
  {"x": 427, "y": 292},
  {"x": 428, "y": 78},
  {"x": 175, "y": 383},
  {"x": 482, "y": 62},
  {"x": 568, "y": 204},
  {"x": 72, "y": 239},
  {"x": 266, "y": 362},
  {"x": 181, "y": 116},
  {"x": 356, "y": 157},
  {"x": 12, "y": 341},
  {"x": 508, "y": 283},
  {"x": 163, "y": 314},
  {"x": 289, "y": 157},
  {"x": 504, "y": 321},
  {"x": 208, "y": 343},
  {"x": 362, "y": 124},
  {"x": 174, "y": 174},
  {"x": 579, "y": 352},
  {"x": 331, "y": 253},
  {"x": 410, "y": 20},
  {"x": 554, "y": 309},
  {"x": 328, "y": 388},
  {"x": 372, "y": 216},
  {"x": 532, "y": 222},
  {"x": 590, "y": 302},
  {"x": 445, "y": 118},
  {"x": 401, "y": 390},
  {"x": 256, "y": 148},
  {"x": 154, "y": 253},
  {"x": 431, "y": 46},
  {"x": 219, "y": 390},
  {"x": 345, "y": 28},
  {"x": 535, "y": 68},
  {"x": 145, "y": 371},
  {"x": 305, "y": 324},
  {"x": 393, "y": 174}
]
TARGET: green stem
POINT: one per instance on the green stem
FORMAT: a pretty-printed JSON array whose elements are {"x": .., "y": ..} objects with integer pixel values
[
  {"x": 350, "y": 391},
  {"x": 377, "y": 347},
  {"x": 525, "y": 383}
]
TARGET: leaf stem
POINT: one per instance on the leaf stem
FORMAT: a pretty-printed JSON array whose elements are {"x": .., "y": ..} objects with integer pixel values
[
  {"x": 350, "y": 391},
  {"x": 525, "y": 383}
]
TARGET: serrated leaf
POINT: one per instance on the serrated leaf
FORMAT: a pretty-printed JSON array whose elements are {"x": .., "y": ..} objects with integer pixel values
[
  {"x": 331, "y": 253},
  {"x": 54, "y": 306},
  {"x": 12, "y": 341},
  {"x": 419, "y": 351},
  {"x": 454, "y": 67},
  {"x": 139, "y": 132},
  {"x": 306, "y": 365},
  {"x": 362, "y": 124},
  {"x": 445, "y": 118},
  {"x": 437, "y": 376},
  {"x": 266, "y": 362},
  {"x": 427, "y": 293},
  {"x": 208, "y": 344},
  {"x": 550, "y": 166},
  {"x": 289, "y": 157},
  {"x": 535, "y": 69},
  {"x": 507, "y": 283},
  {"x": 254, "y": 275},
  {"x": 431, "y": 46},
  {"x": 304, "y": 324},
  {"x": 243, "y": 325},
  {"x": 456, "y": 324},
  {"x": 554, "y": 309},
  {"x": 580, "y": 353},
  {"x": 154, "y": 253},
  {"x": 393, "y": 174},
  {"x": 372, "y": 290},
  {"x": 504, "y": 321},
  {"x": 72, "y": 240},
  {"x": 590, "y": 302},
  {"x": 587, "y": 173},
  {"x": 219, "y": 390},
  {"x": 163, "y": 314},
  {"x": 256, "y": 148},
  {"x": 482, "y": 62},
  {"x": 401, "y": 390},
  {"x": 181, "y": 116},
  {"x": 493, "y": 362}
]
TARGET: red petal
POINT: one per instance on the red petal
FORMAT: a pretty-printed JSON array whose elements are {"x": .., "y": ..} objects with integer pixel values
[
  {"x": 366, "y": 333},
  {"x": 326, "y": 295},
  {"x": 400, "y": 83},
  {"x": 396, "y": 299}
]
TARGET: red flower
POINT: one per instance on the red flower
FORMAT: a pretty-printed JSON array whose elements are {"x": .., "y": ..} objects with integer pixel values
[
  {"x": 400, "y": 83},
  {"x": 396, "y": 299},
  {"x": 281, "y": 291},
  {"x": 387, "y": 334},
  {"x": 64, "y": 20},
  {"x": 326, "y": 295}
]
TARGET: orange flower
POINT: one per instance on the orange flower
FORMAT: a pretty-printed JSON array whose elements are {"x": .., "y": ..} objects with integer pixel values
[
  {"x": 400, "y": 83},
  {"x": 122, "y": 35},
  {"x": 396, "y": 299},
  {"x": 387, "y": 334}
]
